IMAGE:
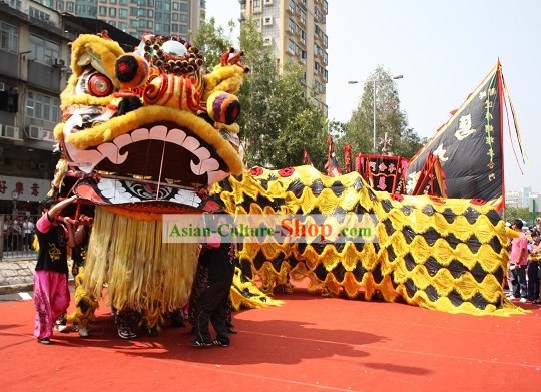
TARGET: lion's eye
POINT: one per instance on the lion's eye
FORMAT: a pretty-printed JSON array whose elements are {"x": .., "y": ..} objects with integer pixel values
[{"x": 99, "y": 85}]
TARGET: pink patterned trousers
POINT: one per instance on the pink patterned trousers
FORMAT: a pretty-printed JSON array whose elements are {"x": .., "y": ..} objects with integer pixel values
[{"x": 51, "y": 299}]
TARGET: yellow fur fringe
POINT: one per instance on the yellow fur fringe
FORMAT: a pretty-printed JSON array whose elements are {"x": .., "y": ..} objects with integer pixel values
[{"x": 142, "y": 272}]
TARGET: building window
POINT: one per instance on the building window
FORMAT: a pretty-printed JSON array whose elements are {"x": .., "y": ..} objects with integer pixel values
[
  {"x": 41, "y": 106},
  {"x": 9, "y": 37},
  {"x": 112, "y": 12},
  {"x": 291, "y": 5},
  {"x": 291, "y": 46},
  {"x": 292, "y": 26},
  {"x": 42, "y": 50},
  {"x": 123, "y": 13},
  {"x": 102, "y": 11}
]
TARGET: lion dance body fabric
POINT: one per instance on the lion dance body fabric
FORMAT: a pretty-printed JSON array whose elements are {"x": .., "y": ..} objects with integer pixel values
[{"x": 441, "y": 254}]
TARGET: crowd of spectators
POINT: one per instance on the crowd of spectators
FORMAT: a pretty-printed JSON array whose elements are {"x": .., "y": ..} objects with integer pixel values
[
  {"x": 18, "y": 232},
  {"x": 524, "y": 274}
]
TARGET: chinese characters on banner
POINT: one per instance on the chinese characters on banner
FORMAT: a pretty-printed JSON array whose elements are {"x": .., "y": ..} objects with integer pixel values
[{"x": 23, "y": 188}]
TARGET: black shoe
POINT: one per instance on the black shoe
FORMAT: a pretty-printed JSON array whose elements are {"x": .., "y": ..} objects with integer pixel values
[
  {"x": 126, "y": 333},
  {"x": 152, "y": 331},
  {"x": 199, "y": 344},
  {"x": 232, "y": 330},
  {"x": 220, "y": 343},
  {"x": 177, "y": 320},
  {"x": 44, "y": 340}
]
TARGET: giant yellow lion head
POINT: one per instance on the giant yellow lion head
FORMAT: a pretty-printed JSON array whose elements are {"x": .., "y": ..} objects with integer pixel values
[{"x": 151, "y": 127}]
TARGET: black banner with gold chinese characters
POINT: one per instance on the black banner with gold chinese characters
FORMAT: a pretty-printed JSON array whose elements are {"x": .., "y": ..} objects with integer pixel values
[{"x": 469, "y": 146}]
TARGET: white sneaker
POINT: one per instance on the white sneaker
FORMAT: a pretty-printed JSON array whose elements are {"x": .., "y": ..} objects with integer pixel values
[
  {"x": 83, "y": 332},
  {"x": 60, "y": 328},
  {"x": 523, "y": 300}
]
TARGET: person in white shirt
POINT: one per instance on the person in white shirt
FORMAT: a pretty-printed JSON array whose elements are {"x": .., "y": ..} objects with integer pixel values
[{"x": 28, "y": 233}]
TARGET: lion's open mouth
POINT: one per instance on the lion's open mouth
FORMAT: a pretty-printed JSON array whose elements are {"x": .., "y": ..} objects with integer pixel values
[
  {"x": 164, "y": 162},
  {"x": 162, "y": 152}
]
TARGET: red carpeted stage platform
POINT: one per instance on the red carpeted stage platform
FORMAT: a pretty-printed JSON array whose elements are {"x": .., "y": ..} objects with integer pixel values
[{"x": 308, "y": 344}]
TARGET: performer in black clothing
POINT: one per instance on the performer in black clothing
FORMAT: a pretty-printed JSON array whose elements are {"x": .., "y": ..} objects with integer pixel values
[{"x": 212, "y": 302}]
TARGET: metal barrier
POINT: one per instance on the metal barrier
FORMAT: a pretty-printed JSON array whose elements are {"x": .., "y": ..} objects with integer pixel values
[{"x": 17, "y": 233}]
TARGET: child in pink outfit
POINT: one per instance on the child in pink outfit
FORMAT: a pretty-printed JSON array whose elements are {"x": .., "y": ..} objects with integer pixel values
[{"x": 51, "y": 292}]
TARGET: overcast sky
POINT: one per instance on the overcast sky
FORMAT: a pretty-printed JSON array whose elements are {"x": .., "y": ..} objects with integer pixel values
[{"x": 444, "y": 49}]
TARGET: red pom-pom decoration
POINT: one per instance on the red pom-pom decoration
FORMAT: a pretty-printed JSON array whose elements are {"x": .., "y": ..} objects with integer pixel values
[
  {"x": 256, "y": 171},
  {"x": 286, "y": 171}
]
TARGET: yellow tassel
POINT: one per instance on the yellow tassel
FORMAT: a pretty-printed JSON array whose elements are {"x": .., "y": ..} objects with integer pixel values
[{"x": 142, "y": 272}]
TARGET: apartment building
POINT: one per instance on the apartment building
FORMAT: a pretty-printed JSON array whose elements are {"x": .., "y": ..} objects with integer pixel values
[
  {"x": 33, "y": 71},
  {"x": 297, "y": 31},
  {"x": 136, "y": 17},
  {"x": 525, "y": 198}
]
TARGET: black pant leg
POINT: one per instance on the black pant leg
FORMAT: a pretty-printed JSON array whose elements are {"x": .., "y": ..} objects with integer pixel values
[
  {"x": 208, "y": 300},
  {"x": 218, "y": 317}
]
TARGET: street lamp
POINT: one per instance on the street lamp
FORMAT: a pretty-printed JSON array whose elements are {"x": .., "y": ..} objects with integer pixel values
[{"x": 374, "y": 103}]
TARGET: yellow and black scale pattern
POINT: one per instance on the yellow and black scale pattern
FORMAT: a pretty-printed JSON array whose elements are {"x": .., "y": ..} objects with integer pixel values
[{"x": 441, "y": 254}]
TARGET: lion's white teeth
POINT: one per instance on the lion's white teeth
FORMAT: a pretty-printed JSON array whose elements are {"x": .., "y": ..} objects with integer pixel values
[
  {"x": 158, "y": 132},
  {"x": 87, "y": 160}
]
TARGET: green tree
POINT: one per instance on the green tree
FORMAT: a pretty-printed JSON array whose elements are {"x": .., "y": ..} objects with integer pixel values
[
  {"x": 213, "y": 41},
  {"x": 390, "y": 120},
  {"x": 278, "y": 121},
  {"x": 302, "y": 124},
  {"x": 512, "y": 213}
]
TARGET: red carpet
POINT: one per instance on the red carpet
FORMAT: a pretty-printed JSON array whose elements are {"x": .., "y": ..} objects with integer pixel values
[{"x": 309, "y": 344}]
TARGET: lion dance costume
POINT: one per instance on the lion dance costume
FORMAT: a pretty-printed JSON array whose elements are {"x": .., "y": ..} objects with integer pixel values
[
  {"x": 144, "y": 134},
  {"x": 151, "y": 132}
]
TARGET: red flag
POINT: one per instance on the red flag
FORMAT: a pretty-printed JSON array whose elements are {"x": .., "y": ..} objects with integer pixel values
[
  {"x": 306, "y": 158},
  {"x": 347, "y": 158},
  {"x": 332, "y": 166}
]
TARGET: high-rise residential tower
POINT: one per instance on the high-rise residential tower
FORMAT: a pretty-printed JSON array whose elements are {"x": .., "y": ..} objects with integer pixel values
[
  {"x": 297, "y": 31},
  {"x": 136, "y": 17}
]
